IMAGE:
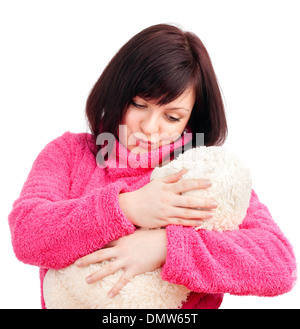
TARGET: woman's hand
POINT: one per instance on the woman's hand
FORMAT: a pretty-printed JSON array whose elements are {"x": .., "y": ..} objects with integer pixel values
[
  {"x": 160, "y": 203},
  {"x": 137, "y": 253}
]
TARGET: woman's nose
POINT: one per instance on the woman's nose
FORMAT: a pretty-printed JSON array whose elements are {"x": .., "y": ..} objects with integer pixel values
[{"x": 150, "y": 125}]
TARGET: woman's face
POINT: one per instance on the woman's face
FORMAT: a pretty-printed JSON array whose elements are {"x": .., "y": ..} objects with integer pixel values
[{"x": 149, "y": 126}]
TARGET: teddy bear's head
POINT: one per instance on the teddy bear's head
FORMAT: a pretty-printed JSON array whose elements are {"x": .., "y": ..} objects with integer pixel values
[{"x": 231, "y": 183}]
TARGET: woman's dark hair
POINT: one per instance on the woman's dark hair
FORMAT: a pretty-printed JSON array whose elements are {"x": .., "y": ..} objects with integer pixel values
[{"x": 159, "y": 63}]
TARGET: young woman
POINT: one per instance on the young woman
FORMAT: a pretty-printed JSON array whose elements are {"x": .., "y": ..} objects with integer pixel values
[{"x": 81, "y": 205}]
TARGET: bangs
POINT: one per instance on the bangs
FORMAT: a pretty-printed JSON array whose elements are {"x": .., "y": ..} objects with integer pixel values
[{"x": 164, "y": 84}]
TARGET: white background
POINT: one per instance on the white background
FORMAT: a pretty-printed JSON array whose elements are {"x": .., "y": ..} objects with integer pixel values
[{"x": 52, "y": 52}]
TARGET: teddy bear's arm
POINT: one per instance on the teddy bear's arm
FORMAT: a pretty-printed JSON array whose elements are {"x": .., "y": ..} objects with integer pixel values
[
  {"x": 50, "y": 229},
  {"x": 257, "y": 259}
]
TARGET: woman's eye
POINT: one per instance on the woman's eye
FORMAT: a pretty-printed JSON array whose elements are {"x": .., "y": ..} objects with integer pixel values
[
  {"x": 139, "y": 106},
  {"x": 172, "y": 119}
]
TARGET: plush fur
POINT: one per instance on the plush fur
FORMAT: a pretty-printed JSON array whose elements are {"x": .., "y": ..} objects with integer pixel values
[{"x": 231, "y": 187}]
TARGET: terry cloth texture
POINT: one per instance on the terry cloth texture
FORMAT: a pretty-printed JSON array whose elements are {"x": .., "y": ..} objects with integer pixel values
[{"x": 68, "y": 208}]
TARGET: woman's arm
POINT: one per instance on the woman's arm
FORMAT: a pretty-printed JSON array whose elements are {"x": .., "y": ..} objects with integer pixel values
[
  {"x": 257, "y": 259},
  {"x": 51, "y": 229}
]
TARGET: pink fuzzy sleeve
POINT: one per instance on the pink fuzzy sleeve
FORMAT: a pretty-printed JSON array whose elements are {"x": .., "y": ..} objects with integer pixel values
[
  {"x": 51, "y": 229},
  {"x": 257, "y": 259}
]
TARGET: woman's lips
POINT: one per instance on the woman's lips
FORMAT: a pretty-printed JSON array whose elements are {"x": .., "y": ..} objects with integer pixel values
[{"x": 145, "y": 144}]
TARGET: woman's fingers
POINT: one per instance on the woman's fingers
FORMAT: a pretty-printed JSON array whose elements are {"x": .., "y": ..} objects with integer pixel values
[
  {"x": 174, "y": 177},
  {"x": 125, "y": 278},
  {"x": 108, "y": 269},
  {"x": 195, "y": 214},
  {"x": 95, "y": 257},
  {"x": 185, "y": 185},
  {"x": 191, "y": 210},
  {"x": 190, "y": 201}
]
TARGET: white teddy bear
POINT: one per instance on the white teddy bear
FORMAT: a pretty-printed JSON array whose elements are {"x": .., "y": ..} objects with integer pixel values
[{"x": 231, "y": 187}]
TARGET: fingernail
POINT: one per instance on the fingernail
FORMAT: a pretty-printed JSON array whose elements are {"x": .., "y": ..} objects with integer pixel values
[
  {"x": 215, "y": 204},
  {"x": 207, "y": 182},
  {"x": 89, "y": 279},
  {"x": 110, "y": 295}
]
